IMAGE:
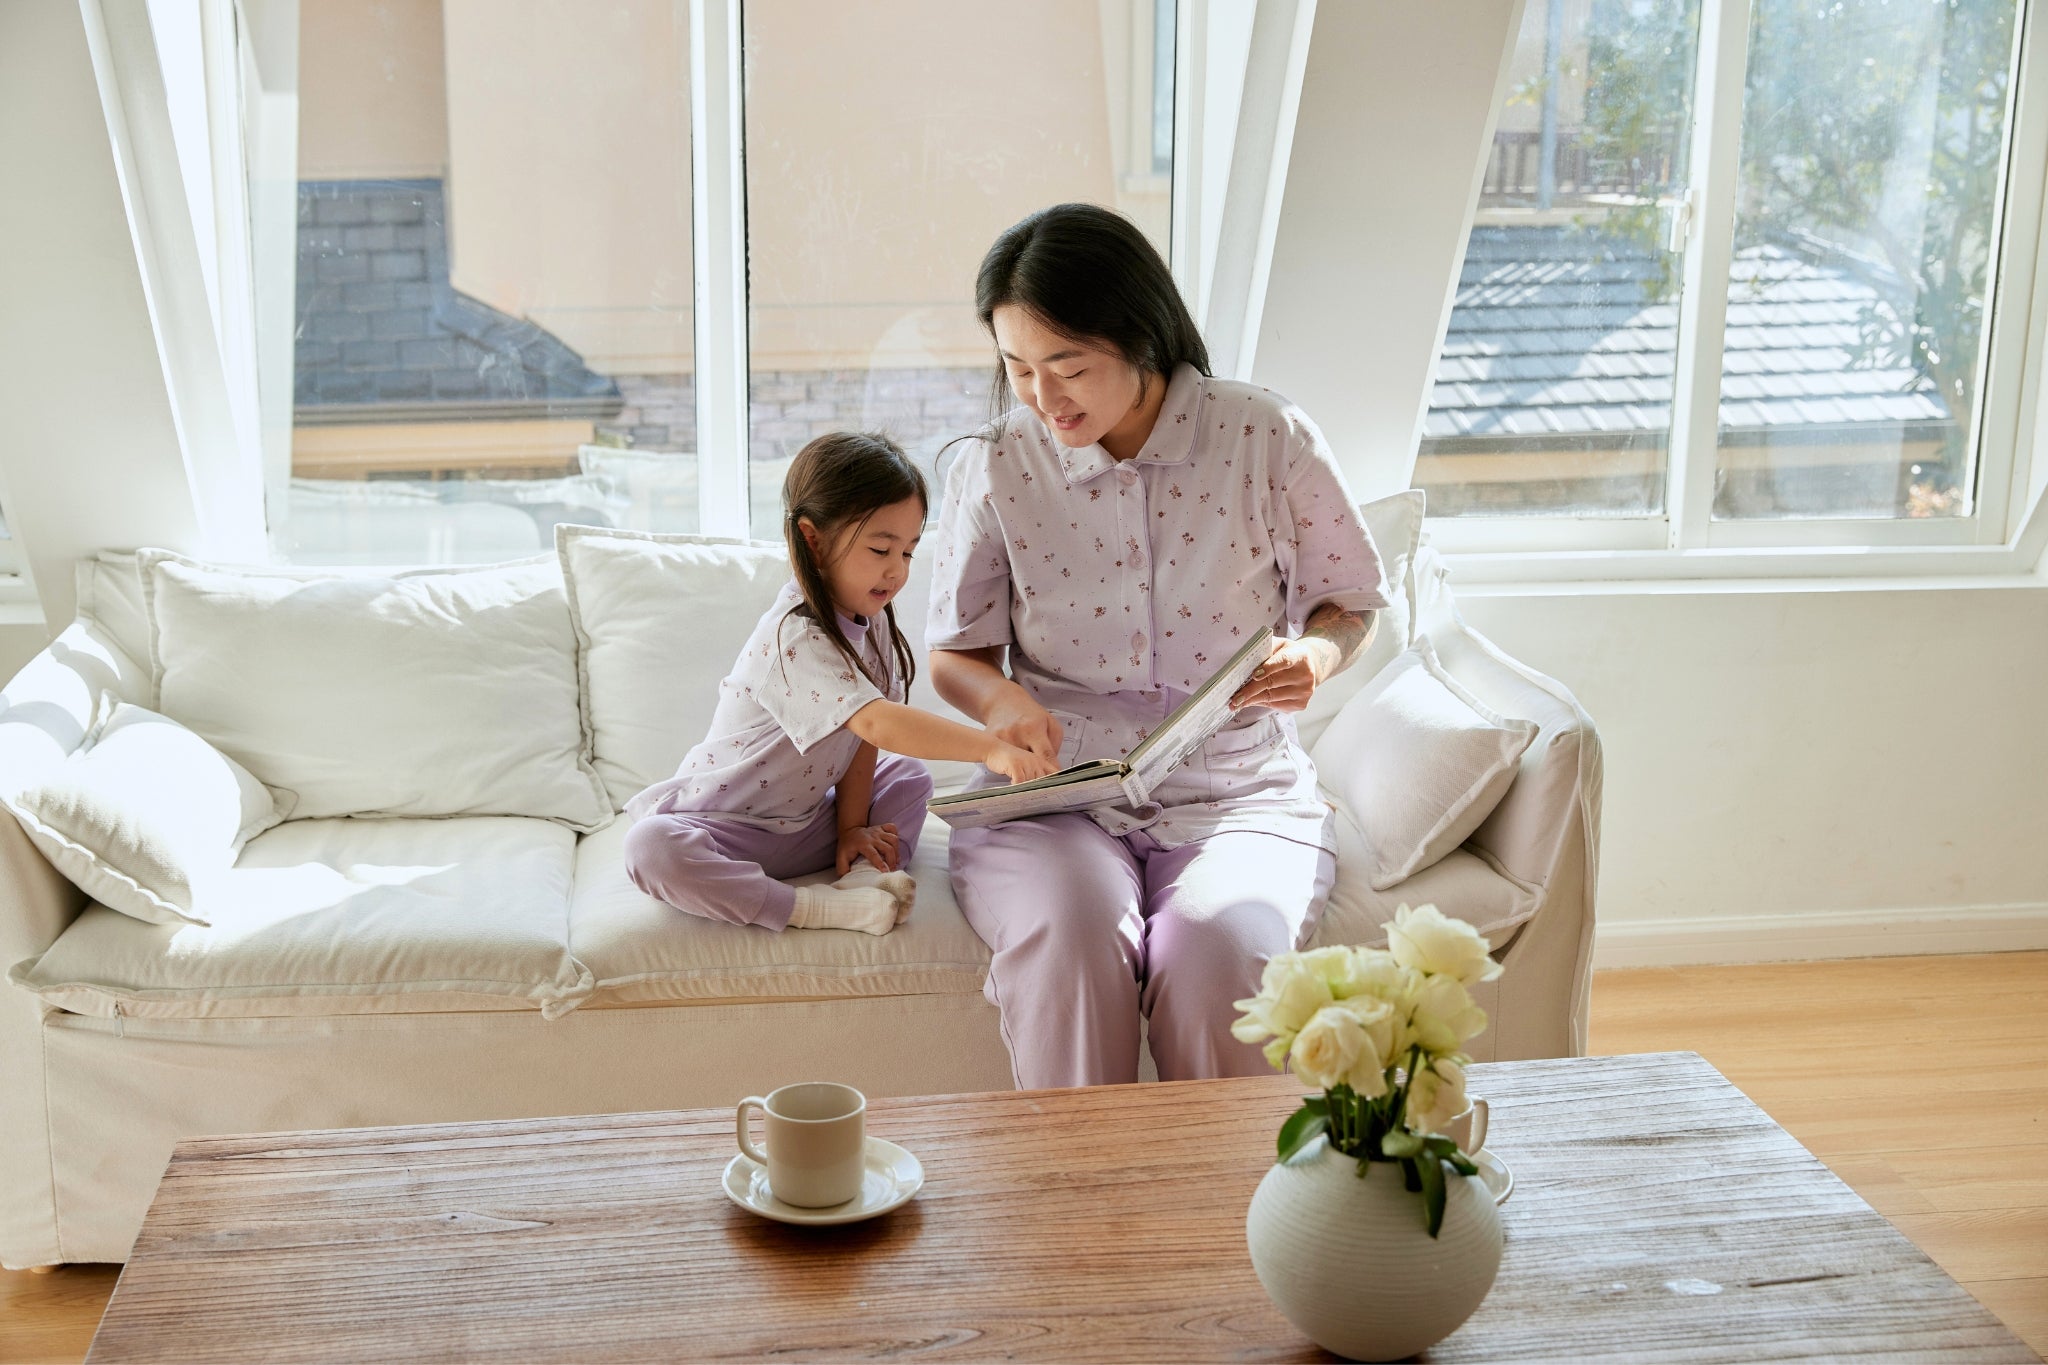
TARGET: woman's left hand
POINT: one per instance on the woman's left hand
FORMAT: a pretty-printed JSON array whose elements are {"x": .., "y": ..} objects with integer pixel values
[{"x": 1289, "y": 676}]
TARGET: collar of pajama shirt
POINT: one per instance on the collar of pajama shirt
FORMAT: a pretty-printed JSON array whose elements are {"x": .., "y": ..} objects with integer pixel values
[
  {"x": 1121, "y": 586},
  {"x": 778, "y": 740}
]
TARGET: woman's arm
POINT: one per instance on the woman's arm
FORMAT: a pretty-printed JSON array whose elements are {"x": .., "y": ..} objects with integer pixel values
[
  {"x": 1331, "y": 642},
  {"x": 906, "y": 730},
  {"x": 974, "y": 681}
]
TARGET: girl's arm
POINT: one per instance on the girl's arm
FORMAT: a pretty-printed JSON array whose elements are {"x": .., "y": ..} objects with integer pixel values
[
  {"x": 856, "y": 791},
  {"x": 919, "y": 734},
  {"x": 854, "y": 798},
  {"x": 974, "y": 681}
]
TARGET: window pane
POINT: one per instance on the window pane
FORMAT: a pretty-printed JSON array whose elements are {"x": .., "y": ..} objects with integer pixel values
[
  {"x": 1553, "y": 388},
  {"x": 493, "y": 311},
  {"x": 1872, "y": 135},
  {"x": 881, "y": 165}
]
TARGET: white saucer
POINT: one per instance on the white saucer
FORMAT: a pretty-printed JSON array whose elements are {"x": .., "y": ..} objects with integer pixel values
[
  {"x": 891, "y": 1178},
  {"x": 1500, "y": 1181}
]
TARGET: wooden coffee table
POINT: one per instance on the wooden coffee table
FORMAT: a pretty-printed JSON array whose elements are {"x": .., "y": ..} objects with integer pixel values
[{"x": 1658, "y": 1214}]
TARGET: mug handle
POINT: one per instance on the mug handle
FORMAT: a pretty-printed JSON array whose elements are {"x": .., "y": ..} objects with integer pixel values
[
  {"x": 1479, "y": 1117},
  {"x": 746, "y": 1138}
]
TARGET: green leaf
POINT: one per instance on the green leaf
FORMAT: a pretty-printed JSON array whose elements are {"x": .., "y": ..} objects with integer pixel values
[
  {"x": 1302, "y": 1126},
  {"x": 1410, "y": 1176},
  {"x": 1432, "y": 1171}
]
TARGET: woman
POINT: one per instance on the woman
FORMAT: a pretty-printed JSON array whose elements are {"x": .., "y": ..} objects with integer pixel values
[{"x": 1113, "y": 539}]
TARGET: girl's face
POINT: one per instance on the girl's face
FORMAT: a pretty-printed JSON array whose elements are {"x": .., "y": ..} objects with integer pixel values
[
  {"x": 866, "y": 565},
  {"x": 1084, "y": 393}
]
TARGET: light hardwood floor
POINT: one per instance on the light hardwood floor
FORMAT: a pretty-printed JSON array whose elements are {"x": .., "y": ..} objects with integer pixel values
[{"x": 1922, "y": 1082}]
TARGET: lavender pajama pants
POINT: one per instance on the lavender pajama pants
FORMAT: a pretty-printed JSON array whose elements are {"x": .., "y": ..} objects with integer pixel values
[
  {"x": 1089, "y": 930},
  {"x": 713, "y": 865}
]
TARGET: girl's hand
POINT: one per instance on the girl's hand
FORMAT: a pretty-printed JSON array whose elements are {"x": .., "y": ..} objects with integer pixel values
[
  {"x": 1019, "y": 765},
  {"x": 1289, "y": 676},
  {"x": 877, "y": 843},
  {"x": 1019, "y": 721}
]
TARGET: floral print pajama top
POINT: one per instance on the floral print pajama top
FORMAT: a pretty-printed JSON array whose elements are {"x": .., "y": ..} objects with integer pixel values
[{"x": 1120, "y": 588}]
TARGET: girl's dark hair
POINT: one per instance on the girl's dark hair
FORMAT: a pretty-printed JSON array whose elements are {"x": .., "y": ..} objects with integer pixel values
[
  {"x": 836, "y": 483},
  {"x": 1091, "y": 276}
]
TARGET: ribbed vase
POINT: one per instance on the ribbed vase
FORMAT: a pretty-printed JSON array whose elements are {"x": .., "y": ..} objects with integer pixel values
[{"x": 1351, "y": 1263}]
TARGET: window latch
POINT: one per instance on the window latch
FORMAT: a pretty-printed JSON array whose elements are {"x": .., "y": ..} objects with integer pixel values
[{"x": 1680, "y": 211}]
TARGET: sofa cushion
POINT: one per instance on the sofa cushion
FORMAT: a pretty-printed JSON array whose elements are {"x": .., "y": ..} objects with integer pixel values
[
  {"x": 638, "y": 949},
  {"x": 323, "y": 917},
  {"x": 1395, "y": 523},
  {"x": 1419, "y": 761},
  {"x": 1465, "y": 884},
  {"x": 145, "y": 814},
  {"x": 427, "y": 692},
  {"x": 658, "y": 621}
]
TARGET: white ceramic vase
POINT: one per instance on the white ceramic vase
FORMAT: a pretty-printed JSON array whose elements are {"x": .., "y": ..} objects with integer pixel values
[{"x": 1351, "y": 1263}]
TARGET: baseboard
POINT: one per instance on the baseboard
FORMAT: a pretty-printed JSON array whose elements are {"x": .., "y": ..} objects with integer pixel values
[{"x": 1820, "y": 934}]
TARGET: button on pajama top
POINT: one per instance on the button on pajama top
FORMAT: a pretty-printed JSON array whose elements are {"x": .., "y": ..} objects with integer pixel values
[
  {"x": 1119, "y": 588},
  {"x": 754, "y": 802}
]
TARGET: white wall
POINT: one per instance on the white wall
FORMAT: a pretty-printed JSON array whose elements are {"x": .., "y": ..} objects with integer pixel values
[{"x": 1807, "y": 773}]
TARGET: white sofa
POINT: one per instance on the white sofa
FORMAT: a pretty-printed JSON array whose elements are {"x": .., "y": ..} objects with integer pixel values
[{"x": 413, "y": 969}]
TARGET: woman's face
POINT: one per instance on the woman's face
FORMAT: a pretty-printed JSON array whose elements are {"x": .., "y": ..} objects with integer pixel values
[{"x": 1083, "y": 392}]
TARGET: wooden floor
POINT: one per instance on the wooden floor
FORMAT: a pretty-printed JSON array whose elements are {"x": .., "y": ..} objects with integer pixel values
[{"x": 1922, "y": 1082}]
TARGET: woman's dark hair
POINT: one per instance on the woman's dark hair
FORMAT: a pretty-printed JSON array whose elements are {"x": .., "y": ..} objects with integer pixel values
[
  {"x": 1091, "y": 276},
  {"x": 836, "y": 483}
]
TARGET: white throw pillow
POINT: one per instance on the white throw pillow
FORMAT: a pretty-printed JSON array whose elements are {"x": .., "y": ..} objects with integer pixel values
[
  {"x": 428, "y": 692},
  {"x": 1419, "y": 762},
  {"x": 145, "y": 812},
  {"x": 659, "y": 620},
  {"x": 1395, "y": 524}
]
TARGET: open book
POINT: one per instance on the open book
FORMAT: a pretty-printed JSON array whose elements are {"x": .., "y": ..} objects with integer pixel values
[{"x": 1110, "y": 781}]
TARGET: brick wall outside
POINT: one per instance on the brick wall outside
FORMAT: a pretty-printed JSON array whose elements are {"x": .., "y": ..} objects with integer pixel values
[{"x": 919, "y": 409}]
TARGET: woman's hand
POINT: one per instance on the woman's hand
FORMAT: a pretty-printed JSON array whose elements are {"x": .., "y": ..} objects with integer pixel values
[
  {"x": 877, "y": 843},
  {"x": 1289, "y": 676},
  {"x": 1017, "y": 720},
  {"x": 1019, "y": 765}
]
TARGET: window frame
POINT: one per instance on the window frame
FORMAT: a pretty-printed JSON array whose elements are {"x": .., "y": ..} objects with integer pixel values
[{"x": 1684, "y": 540}]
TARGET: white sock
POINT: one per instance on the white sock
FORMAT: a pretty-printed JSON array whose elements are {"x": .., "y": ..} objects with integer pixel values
[
  {"x": 899, "y": 884},
  {"x": 868, "y": 909}
]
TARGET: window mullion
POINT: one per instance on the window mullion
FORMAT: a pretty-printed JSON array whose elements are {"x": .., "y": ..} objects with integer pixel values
[
  {"x": 718, "y": 196},
  {"x": 1703, "y": 302},
  {"x": 1190, "y": 78}
]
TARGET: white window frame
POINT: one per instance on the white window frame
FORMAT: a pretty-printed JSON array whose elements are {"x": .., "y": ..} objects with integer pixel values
[{"x": 1685, "y": 541}]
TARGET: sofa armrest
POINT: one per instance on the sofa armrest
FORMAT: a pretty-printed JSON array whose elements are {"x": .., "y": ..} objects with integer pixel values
[
  {"x": 1545, "y": 833},
  {"x": 45, "y": 712}
]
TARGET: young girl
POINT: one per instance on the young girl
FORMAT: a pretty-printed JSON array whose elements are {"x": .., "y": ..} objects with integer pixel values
[{"x": 789, "y": 780}]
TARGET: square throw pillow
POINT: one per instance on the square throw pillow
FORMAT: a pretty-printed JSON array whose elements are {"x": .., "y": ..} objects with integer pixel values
[
  {"x": 145, "y": 814},
  {"x": 1418, "y": 762},
  {"x": 1395, "y": 524},
  {"x": 431, "y": 692},
  {"x": 659, "y": 620}
]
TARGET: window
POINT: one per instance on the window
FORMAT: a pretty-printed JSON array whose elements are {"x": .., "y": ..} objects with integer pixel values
[
  {"x": 492, "y": 322},
  {"x": 882, "y": 158},
  {"x": 1821, "y": 299}
]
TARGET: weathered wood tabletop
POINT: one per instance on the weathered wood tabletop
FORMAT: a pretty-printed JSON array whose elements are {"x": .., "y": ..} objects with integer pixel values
[{"x": 1658, "y": 1215}]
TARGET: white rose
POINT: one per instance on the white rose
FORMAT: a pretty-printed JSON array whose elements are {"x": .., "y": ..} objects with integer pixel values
[
  {"x": 1442, "y": 1017},
  {"x": 1423, "y": 938},
  {"x": 1435, "y": 1097},
  {"x": 1327, "y": 1048},
  {"x": 1290, "y": 992},
  {"x": 1381, "y": 1024}
]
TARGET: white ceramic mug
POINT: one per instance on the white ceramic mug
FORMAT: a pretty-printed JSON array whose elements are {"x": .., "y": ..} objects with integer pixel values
[
  {"x": 1468, "y": 1129},
  {"x": 817, "y": 1138}
]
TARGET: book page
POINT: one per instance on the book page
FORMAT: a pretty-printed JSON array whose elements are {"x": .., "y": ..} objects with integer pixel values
[
  {"x": 967, "y": 810},
  {"x": 1194, "y": 720}
]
